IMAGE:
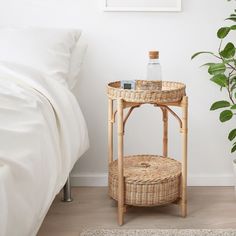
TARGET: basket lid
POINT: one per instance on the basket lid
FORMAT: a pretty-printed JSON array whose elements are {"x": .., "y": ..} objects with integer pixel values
[{"x": 147, "y": 168}]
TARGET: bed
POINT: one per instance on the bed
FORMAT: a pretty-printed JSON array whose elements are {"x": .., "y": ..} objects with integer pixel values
[{"x": 42, "y": 129}]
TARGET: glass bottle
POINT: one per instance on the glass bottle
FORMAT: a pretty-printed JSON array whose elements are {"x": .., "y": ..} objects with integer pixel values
[{"x": 154, "y": 68}]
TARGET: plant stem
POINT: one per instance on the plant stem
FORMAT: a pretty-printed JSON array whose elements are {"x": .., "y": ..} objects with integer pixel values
[
  {"x": 233, "y": 68},
  {"x": 230, "y": 95},
  {"x": 219, "y": 49}
]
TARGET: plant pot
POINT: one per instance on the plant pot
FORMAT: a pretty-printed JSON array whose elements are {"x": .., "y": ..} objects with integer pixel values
[{"x": 234, "y": 168}]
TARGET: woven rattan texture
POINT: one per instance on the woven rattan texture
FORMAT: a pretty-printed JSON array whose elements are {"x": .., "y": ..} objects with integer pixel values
[
  {"x": 149, "y": 180},
  {"x": 170, "y": 92}
]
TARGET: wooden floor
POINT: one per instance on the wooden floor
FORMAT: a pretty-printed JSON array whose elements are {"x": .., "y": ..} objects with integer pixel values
[{"x": 209, "y": 207}]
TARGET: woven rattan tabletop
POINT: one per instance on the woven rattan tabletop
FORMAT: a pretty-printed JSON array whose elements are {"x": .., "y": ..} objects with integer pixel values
[{"x": 148, "y": 91}]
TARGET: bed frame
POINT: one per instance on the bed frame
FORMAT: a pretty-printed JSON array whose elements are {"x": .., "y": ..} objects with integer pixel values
[{"x": 67, "y": 191}]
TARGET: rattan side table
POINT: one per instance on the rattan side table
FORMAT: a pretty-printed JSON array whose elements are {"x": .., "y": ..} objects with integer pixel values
[{"x": 147, "y": 180}]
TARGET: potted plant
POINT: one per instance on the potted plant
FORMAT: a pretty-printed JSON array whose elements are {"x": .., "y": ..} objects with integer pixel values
[{"x": 222, "y": 71}]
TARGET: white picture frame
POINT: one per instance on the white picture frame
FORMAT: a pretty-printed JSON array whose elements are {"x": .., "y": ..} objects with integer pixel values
[{"x": 142, "y": 6}]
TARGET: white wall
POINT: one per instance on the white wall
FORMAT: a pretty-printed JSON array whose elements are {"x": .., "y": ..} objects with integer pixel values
[{"x": 118, "y": 46}]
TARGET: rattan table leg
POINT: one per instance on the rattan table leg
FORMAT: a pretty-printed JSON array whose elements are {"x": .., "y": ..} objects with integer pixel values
[
  {"x": 183, "y": 202},
  {"x": 165, "y": 131},
  {"x": 110, "y": 131},
  {"x": 120, "y": 162}
]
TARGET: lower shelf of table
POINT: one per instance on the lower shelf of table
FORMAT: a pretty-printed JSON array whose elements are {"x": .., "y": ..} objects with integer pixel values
[{"x": 149, "y": 180}]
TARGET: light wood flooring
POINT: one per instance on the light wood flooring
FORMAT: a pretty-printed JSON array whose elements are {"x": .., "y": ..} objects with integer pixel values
[{"x": 209, "y": 207}]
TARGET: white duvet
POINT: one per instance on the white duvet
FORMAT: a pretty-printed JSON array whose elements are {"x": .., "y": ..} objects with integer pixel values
[{"x": 42, "y": 134}]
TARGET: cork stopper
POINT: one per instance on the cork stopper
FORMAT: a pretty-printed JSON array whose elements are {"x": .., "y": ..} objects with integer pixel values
[{"x": 154, "y": 54}]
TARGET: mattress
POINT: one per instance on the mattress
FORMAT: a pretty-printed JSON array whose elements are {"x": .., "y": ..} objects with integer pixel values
[{"x": 42, "y": 135}]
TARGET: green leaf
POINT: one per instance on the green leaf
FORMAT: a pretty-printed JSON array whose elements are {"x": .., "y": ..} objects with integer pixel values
[
  {"x": 229, "y": 51},
  {"x": 208, "y": 64},
  {"x": 227, "y": 61},
  {"x": 233, "y": 27},
  {"x": 233, "y": 87},
  {"x": 233, "y": 149},
  {"x": 223, "y": 32},
  {"x": 233, "y": 107},
  {"x": 234, "y": 95},
  {"x": 231, "y": 18},
  {"x": 232, "y": 82},
  {"x": 198, "y": 53},
  {"x": 226, "y": 115},
  {"x": 233, "y": 79},
  {"x": 218, "y": 68},
  {"x": 232, "y": 134},
  {"x": 220, "y": 79},
  {"x": 219, "y": 104}
]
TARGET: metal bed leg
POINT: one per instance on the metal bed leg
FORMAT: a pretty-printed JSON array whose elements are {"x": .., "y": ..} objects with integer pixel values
[{"x": 67, "y": 191}]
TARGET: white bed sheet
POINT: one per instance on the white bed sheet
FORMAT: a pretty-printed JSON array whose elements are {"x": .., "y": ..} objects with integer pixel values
[{"x": 42, "y": 134}]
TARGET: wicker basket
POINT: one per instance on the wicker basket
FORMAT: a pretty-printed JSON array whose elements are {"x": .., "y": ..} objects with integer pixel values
[
  {"x": 148, "y": 91},
  {"x": 149, "y": 180}
]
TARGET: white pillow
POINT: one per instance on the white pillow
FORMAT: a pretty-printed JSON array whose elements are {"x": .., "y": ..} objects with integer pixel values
[
  {"x": 45, "y": 49},
  {"x": 77, "y": 58}
]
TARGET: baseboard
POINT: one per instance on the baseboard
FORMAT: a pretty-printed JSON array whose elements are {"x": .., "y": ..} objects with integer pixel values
[
  {"x": 89, "y": 179},
  {"x": 211, "y": 180},
  {"x": 100, "y": 179}
]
